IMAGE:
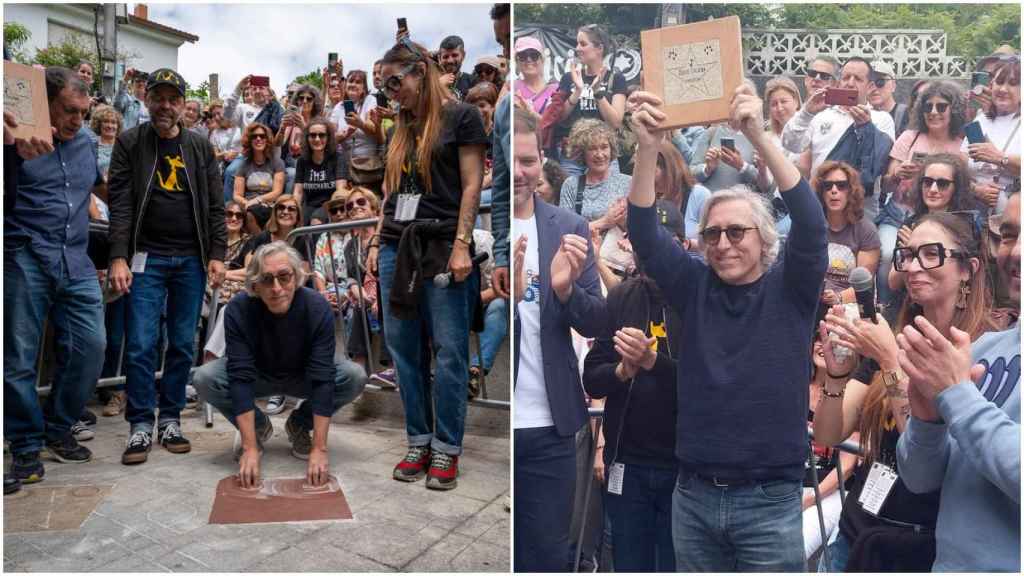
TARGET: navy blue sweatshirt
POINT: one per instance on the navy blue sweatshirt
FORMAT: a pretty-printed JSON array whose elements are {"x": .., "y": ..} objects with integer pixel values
[
  {"x": 299, "y": 343},
  {"x": 744, "y": 356},
  {"x": 640, "y": 417}
]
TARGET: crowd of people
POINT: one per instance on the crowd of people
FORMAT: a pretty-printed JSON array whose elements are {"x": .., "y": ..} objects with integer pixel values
[
  {"x": 142, "y": 218},
  {"x": 709, "y": 359}
]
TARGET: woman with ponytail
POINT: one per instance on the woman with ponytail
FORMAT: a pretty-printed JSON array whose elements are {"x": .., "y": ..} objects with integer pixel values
[{"x": 423, "y": 255}]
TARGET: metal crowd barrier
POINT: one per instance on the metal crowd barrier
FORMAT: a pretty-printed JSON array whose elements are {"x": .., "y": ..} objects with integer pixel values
[
  {"x": 307, "y": 232},
  {"x": 848, "y": 446}
]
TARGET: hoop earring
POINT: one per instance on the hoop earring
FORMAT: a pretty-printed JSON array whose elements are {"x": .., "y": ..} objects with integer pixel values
[{"x": 961, "y": 299}]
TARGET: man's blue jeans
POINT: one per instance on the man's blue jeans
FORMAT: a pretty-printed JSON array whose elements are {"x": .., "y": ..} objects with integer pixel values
[
  {"x": 181, "y": 281},
  {"x": 444, "y": 318},
  {"x": 213, "y": 385},
  {"x": 641, "y": 519},
  {"x": 229, "y": 177},
  {"x": 544, "y": 477},
  {"x": 495, "y": 330},
  {"x": 75, "y": 310},
  {"x": 747, "y": 528}
]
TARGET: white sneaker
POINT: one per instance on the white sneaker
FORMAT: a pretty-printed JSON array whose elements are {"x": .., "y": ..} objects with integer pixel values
[{"x": 275, "y": 405}]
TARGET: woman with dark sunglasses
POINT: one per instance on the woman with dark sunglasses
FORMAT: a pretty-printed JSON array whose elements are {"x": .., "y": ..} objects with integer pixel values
[
  {"x": 234, "y": 257},
  {"x": 432, "y": 191},
  {"x": 302, "y": 107},
  {"x": 260, "y": 179},
  {"x": 532, "y": 91},
  {"x": 945, "y": 266},
  {"x": 317, "y": 172},
  {"x": 852, "y": 239},
  {"x": 936, "y": 127}
]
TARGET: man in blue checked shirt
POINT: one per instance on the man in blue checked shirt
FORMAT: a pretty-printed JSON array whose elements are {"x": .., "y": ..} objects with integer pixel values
[{"x": 49, "y": 276}]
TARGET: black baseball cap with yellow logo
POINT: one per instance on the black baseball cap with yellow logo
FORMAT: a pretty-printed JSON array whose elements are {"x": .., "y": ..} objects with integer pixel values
[{"x": 168, "y": 77}]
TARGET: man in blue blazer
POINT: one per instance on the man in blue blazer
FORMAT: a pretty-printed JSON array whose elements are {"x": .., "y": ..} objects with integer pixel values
[{"x": 557, "y": 288}]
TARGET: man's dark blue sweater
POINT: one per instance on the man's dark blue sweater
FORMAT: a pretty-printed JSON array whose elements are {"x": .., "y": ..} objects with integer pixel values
[
  {"x": 744, "y": 357},
  {"x": 297, "y": 344}
]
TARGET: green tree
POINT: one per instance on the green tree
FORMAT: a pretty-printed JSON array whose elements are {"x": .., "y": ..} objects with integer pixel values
[
  {"x": 314, "y": 78},
  {"x": 68, "y": 54},
  {"x": 15, "y": 36},
  {"x": 201, "y": 92}
]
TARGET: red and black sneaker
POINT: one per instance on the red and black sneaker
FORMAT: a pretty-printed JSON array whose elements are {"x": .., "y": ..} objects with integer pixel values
[
  {"x": 414, "y": 465},
  {"x": 444, "y": 469}
]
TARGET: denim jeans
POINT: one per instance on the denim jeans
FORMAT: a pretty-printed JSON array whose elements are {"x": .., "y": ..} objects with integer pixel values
[
  {"x": 544, "y": 477},
  {"x": 213, "y": 385},
  {"x": 115, "y": 317},
  {"x": 642, "y": 520},
  {"x": 229, "y": 177},
  {"x": 74, "y": 308},
  {"x": 747, "y": 528},
  {"x": 444, "y": 318},
  {"x": 495, "y": 330},
  {"x": 839, "y": 555},
  {"x": 181, "y": 282}
]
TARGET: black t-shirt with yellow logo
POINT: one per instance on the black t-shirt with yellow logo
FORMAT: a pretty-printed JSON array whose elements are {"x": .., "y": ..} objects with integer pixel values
[{"x": 169, "y": 222}]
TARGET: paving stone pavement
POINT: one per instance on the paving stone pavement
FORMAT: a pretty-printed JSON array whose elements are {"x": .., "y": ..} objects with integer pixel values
[{"x": 155, "y": 518}]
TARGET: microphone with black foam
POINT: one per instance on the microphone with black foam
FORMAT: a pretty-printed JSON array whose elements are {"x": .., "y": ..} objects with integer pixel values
[
  {"x": 444, "y": 279},
  {"x": 864, "y": 288}
]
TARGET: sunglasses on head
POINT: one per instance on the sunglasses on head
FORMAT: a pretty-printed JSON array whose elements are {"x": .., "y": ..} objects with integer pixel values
[
  {"x": 287, "y": 208},
  {"x": 936, "y": 107},
  {"x": 283, "y": 278},
  {"x": 841, "y": 185},
  {"x": 528, "y": 56},
  {"x": 360, "y": 202},
  {"x": 819, "y": 75},
  {"x": 735, "y": 233}
]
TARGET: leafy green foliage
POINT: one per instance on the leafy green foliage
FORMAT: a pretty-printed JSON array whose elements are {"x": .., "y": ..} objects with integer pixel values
[
  {"x": 314, "y": 78},
  {"x": 15, "y": 36},
  {"x": 201, "y": 92},
  {"x": 68, "y": 54}
]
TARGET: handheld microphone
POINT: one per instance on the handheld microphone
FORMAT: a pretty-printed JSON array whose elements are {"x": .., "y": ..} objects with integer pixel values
[
  {"x": 444, "y": 279},
  {"x": 864, "y": 288}
]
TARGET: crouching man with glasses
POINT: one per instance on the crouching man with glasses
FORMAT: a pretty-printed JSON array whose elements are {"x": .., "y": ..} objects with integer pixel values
[{"x": 280, "y": 340}]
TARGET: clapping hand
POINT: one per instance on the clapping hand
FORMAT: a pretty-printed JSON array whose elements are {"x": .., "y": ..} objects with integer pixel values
[{"x": 567, "y": 265}]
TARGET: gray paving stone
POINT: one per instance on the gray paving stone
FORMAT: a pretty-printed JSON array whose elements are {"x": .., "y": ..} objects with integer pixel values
[
  {"x": 440, "y": 556},
  {"x": 326, "y": 559}
]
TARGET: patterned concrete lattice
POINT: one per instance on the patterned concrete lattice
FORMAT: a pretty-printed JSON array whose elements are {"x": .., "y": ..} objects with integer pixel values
[{"x": 912, "y": 53}]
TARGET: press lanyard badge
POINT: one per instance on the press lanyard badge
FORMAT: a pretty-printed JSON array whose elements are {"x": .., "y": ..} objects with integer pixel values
[
  {"x": 615, "y": 474},
  {"x": 406, "y": 207},
  {"x": 139, "y": 262},
  {"x": 879, "y": 484}
]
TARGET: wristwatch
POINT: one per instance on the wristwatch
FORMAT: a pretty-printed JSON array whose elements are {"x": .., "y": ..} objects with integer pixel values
[
  {"x": 466, "y": 238},
  {"x": 890, "y": 378}
]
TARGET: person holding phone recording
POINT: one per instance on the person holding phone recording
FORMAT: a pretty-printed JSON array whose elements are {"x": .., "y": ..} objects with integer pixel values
[
  {"x": 996, "y": 162},
  {"x": 590, "y": 89}
]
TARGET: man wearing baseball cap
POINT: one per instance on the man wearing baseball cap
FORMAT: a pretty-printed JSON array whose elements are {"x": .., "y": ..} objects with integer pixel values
[
  {"x": 166, "y": 236},
  {"x": 882, "y": 95}
]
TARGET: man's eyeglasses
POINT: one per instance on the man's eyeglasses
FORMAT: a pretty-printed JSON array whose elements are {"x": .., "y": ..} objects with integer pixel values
[
  {"x": 233, "y": 215},
  {"x": 735, "y": 233},
  {"x": 927, "y": 182},
  {"x": 936, "y": 107},
  {"x": 528, "y": 56},
  {"x": 841, "y": 185},
  {"x": 360, "y": 202},
  {"x": 318, "y": 135},
  {"x": 258, "y": 136},
  {"x": 283, "y": 278},
  {"x": 819, "y": 75},
  {"x": 287, "y": 208},
  {"x": 929, "y": 256}
]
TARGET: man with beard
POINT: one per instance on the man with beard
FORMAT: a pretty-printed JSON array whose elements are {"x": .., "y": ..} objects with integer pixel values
[
  {"x": 963, "y": 435},
  {"x": 451, "y": 55},
  {"x": 167, "y": 219}
]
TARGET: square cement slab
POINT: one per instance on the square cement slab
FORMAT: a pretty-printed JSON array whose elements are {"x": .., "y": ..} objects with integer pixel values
[{"x": 51, "y": 508}]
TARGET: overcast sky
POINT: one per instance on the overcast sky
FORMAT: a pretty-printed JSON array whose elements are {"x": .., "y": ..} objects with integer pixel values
[{"x": 288, "y": 40}]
